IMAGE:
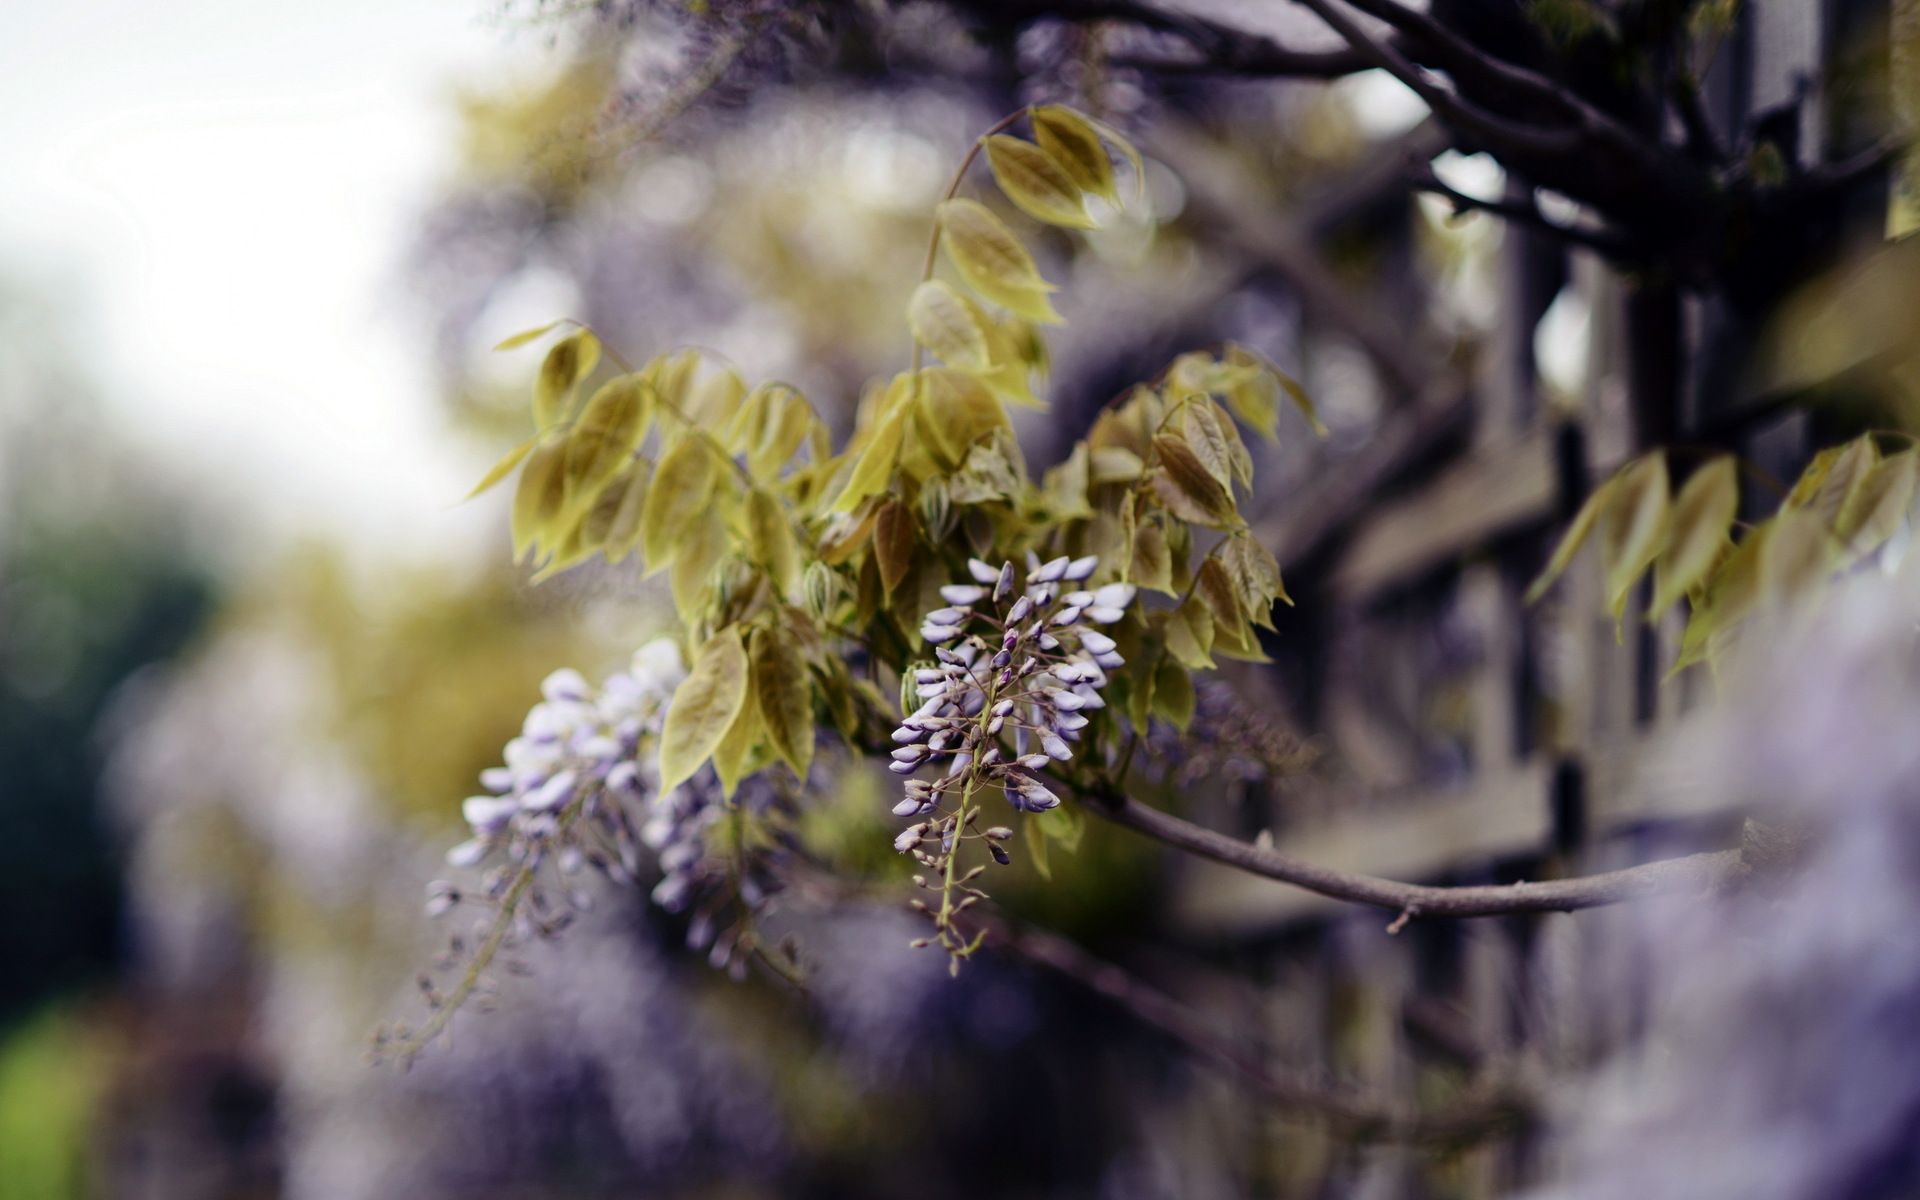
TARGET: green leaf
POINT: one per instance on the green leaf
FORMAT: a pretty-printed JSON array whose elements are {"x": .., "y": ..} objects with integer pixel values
[
  {"x": 1233, "y": 636},
  {"x": 606, "y": 435},
  {"x": 1874, "y": 511},
  {"x": 1152, "y": 561},
  {"x": 1118, "y": 141},
  {"x": 503, "y": 468},
  {"x": 1065, "y": 486},
  {"x": 1189, "y": 633},
  {"x": 1209, "y": 445},
  {"x": 874, "y": 467},
  {"x": 523, "y": 337},
  {"x": 770, "y": 540},
  {"x": 570, "y": 360},
  {"x": 623, "y": 533},
  {"x": 1634, "y": 527},
  {"x": 1038, "y": 183},
  {"x": 1702, "y": 515},
  {"x": 993, "y": 262},
  {"x": 1575, "y": 536},
  {"x": 1256, "y": 577},
  {"x": 704, "y": 706},
  {"x": 731, "y": 757},
  {"x": 784, "y": 692},
  {"x": 1173, "y": 693},
  {"x": 1063, "y": 826},
  {"x": 1036, "y": 844},
  {"x": 1187, "y": 489},
  {"x": 1730, "y": 595},
  {"x": 943, "y": 322},
  {"x": 540, "y": 498},
  {"x": 955, "y": 411},
  {"x": 1844, "y": 479},
  {"x": 1071, "y": 140},
  {"x": 680, "y": 492},
  {"x": 702, "y": 544}
]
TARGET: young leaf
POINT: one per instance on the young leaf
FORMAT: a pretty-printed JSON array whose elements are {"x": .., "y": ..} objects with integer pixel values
[
  {"x": 701, "y": 546},
  {"x": 993, "y": 262},
  {"x": 571, "y": 359},
  {"x": 1808, "y": 485},
  {"x": 1173, "y": 693},
  {"x": 894, "y": 539},
  {"x": 770, "y": 540},
  {"x": 1237, "y": 457},
  {"x": 623, "y": 534},
  {"x": 1036, "y": 843},
  {"x": 1189, "y": 633},
  {"x": 609, "y": 430},
  {"x": 1634, "y": 527},
  {"x": 1570, "y": 542},
  {"x": 540, "y": 497},
  {"x": 1202, "y": 435},
  {"x": 1037, "y": 182},
  {"x": 1881, "y": 503},
  {"x": 1799, "y": 556},
  {"x": 1844, "y": 479},
  {"x": 1152, "y": 562},
  {"x": 783, "y": 691},
  {"x": 1702, "y": 515},
  {"x": 503, "y": 468},
  {"x": 1187, "y": 489},
  {"x": 955, "y": 411},
  {"x": 1256, "y": 577},
  {"x": 1067, "y": 136},
  {"x": 730, "y": 757},
  {"x": 1297, "y": 392},
  {"x": 526, "y": 335},
  {"x": 943, "y": 322},
  {"x": 1065, "y": 486},
  {"x": 704, "y": 706},
  {"x": 681, "y": 488},
  {"x": 1730, "y": 595},
  {"x": 1118, "y": 141},
  {"x": 875, "y": 465},
  {"x": 1233, "y": 637}
]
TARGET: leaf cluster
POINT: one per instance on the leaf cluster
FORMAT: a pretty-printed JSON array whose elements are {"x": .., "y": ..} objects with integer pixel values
[{"x": 1846, "y": 504}]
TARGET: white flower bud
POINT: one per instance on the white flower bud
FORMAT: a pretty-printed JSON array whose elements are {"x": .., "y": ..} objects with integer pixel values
[
  {"x": 982, "y": 572},
  {"x": 1097, "y": 642},
  {"x": 1081, "y": 568},
  {"x": 1052, "y": 570},
  {"x": 963, "y": 593}
]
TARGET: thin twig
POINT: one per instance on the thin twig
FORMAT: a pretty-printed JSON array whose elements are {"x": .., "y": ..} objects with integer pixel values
[{"x": 1525, "y": 212}]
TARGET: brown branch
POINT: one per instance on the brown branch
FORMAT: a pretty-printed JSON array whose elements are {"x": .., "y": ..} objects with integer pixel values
[
  {"x": 1525, "y": 212},
  {"x": 1349, "y": 1115},
  {"x": 1447, "y": 105},
  {"x": 1223, "y": 49},
  {"x": 1697, "y": 873}
]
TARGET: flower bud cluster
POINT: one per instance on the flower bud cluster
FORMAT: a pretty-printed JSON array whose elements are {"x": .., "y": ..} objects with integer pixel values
[{"x": 1016, "y": 671}]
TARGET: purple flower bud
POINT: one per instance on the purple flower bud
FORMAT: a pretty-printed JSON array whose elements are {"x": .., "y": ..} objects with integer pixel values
[
  {"x": 1066, "y": 616},
  {"x": 1070, "y": 722},
  {"x": 1055, "y": 747},
  {"x": 962, "y": 593},
  {"x": 1003, "y": 708},
  {"x": 981, "y": 572},
  {"x": 1019, "y": 611},
  {"x": 496, "y": 779},
  {"x": 944, "y": 655},
  {"x": 938, "y": 742},
  {"x": 1052, "y": 570},
  {"x": 553, "y": 793},
  {"x": 1043, "y": 594},
  {"x": 1038, "y": 799},
  {"x": 1097, "y": 642},
  {"x": 927, "y": 691},
  {"x": 907, "y": 807},
  {"x": 1110, "y": 661},
  {"x": 624, "y": 778},
  {"x": 467, "y": 853},
  {"x": 1101, "y": 615},
  {"x": 910, "y": 754},
  {"x": 939, "y": 633},
  {"x": 947, "y": 616},
  {"x": 1004, "y": 583},
  {"x": 1049, "y": 642},
  {"x": 960, "y": 763},
  {"x": 565, "y": 684},
  {"x": 974, "y": 702},
  {"x": 907, "y": 733},
  {"x": 909, "y": 838},
  {"x": 903, "y": 768},
  {"x": 993, "y": 726},
  {"x": 1081, "y": 568},
  {"x": 487, "y": 814},
  {"x": 1034, "y": 762},
  {"x": 1114, "y": 595}
]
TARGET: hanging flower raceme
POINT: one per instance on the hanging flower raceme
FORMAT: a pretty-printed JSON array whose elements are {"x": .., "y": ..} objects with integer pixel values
[{"x": 1016, "y": 671}]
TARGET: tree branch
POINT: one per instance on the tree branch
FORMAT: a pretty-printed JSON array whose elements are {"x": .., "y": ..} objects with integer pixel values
[
  {"x": 1527, "y": 213},
  {"x": 1349, "y": 1115},
  {"x": 1697, "y": 873}
]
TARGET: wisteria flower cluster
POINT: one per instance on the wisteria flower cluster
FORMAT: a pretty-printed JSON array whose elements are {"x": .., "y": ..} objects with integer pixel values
[{"x": 1016, "y": 671}]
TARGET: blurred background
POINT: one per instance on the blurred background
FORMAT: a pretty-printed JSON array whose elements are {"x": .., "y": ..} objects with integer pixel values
[{"x": 254, "y": 647}]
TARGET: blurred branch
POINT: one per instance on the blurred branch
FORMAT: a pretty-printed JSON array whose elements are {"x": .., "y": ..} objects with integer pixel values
[
  {"x": 1526, "y": 212},
  {"x": 1699, "y": 873},
  {"x": 1223, "y": 49},
  {"x": 1349, "y": 1115}
]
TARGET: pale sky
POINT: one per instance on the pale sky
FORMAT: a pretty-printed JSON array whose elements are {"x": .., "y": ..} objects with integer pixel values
[{"x": 223, "y": 190}]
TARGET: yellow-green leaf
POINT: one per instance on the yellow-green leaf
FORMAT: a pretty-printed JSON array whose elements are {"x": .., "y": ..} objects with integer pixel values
[
  {"x": 1634, "y": 527},
  {"x": 540, "y": 498},
  {"x": 1066, "y": 483},
  {"x": 609, "y": 430},
  {"x": 943, "y": 322},
  {"x": 1152, "y": 561},
  {"x": 1844, "y": 479},
  {"x": 503, "y": 468},
  {"x": 1575, "y": 536},
  {"x": 1730, "y": 595},
  {"x": 680, "y": 492},
  {"x": 783, "y": 689},
  {"x": 700, "y": 547},
  {"x": 1189, "y": 632},
  {"x": 1877, "y": 508},
  {"x": 623, "y": 534},
  {"x": 1799, "y": 556},
  {"x": 1187, "y": 489},
  {"x": 527, "y": 335},
  {"x": 1297, "y": 392},
  {"x": 956, "y": 410},
  {"x": 1067, "y": 136},
  {"x": 1808, "y": 485},
  {"x": 1209, "y": 445},
  {"x": 570, "y": 360},
  {"x": 1702, "y": 514},
  {"x": 731, "y": 756},
  {"x": 1038, "y": 183},
  {"x": 770, "y": 540},
  {"x": 705, "y": 704},
  {"x": 874, "y": 467},
  {"x": 1173, "y": 693},
  {"x": 1118, "y": 141},
  {"x": 1256, "y": 576},
  {"x": 993, "y": 262}
]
